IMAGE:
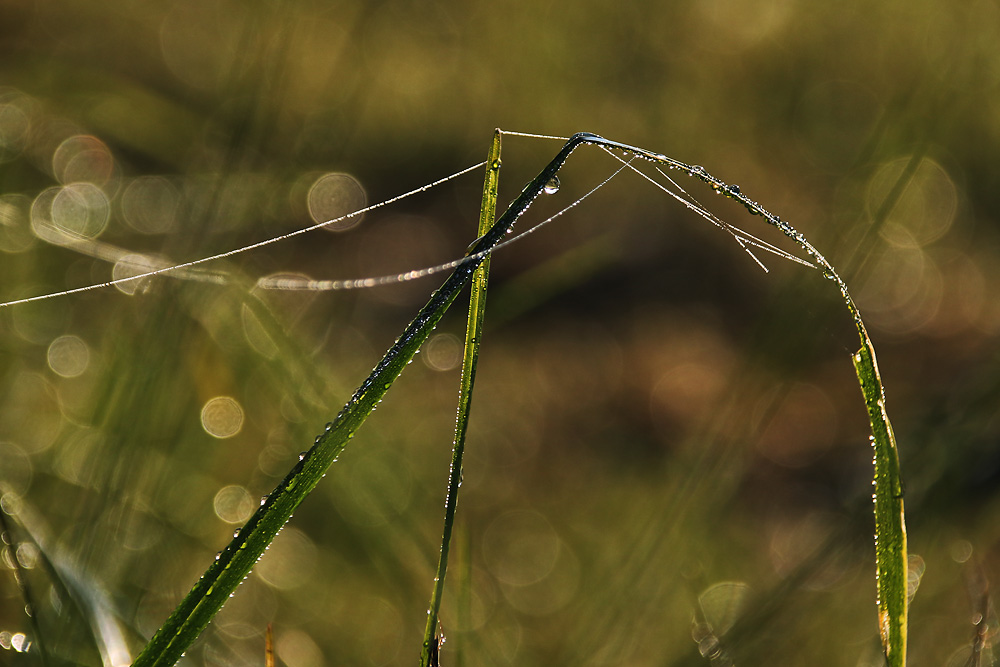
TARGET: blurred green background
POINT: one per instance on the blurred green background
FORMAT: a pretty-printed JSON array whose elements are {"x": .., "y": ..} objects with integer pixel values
[{"x": 668, "y": 459}]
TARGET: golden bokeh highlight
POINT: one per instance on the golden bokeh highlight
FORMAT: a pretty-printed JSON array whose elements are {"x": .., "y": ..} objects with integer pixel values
[
  {"x": 68, "y": 356},
  {"x": 443, "y": 352},
  {"x": 222, "y": 417},
  {"x": 521, "y": 548},
  {"x": 333, "y": 196},
  {"x": 150, "y": 205},
  {"x": 233, "y": 504},
  {"x": 290, "y": 560},
  {"x": 925, "y": 209},
  {"x": 83, "y": 159}
]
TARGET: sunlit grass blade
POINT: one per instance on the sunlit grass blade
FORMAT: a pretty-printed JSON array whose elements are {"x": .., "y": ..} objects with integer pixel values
[
  {"x": 269, "y": 647},
  {"x": 473, "y": 337},
  {"x": 234, "y": 563},
  {"x": 890, "y": 528}
]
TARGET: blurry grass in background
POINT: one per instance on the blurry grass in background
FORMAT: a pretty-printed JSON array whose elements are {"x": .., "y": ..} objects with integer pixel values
[{"x": 663, "y": 435}]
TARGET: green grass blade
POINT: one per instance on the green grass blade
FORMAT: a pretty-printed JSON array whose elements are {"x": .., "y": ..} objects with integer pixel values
[
  {"x": 234, "y": 563},
  {"x": 890, "y": 528},
  {"x": 473, "y": 337}
]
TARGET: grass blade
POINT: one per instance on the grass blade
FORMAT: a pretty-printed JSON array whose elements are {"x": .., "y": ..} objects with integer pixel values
[
  {"x": 234, "y": 563},
  {"x": 473, "y": 337},
  {"x": 890, "y": 528}
]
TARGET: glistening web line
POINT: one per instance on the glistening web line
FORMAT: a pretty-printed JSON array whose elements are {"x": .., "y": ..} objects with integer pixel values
[
  {"x": 158, "y": 266},
  {"x": 533, "y": 136},
  {"x": 284, "y": 283},
  {"x": 236, "y": 251},
  {"x": 742, "y": 237}
]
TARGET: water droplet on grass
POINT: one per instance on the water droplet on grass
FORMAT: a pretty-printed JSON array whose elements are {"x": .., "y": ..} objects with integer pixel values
[{"x": 552, "y": 186}]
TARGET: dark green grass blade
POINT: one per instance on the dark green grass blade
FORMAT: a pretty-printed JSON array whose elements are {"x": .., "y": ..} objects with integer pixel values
[
  {"x": 234, "y": 563},
  {"x": 473, "y": 337}
]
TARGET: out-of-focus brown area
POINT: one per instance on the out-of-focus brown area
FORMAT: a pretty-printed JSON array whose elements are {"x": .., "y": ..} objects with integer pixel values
[{"x": 668, "y": 459}]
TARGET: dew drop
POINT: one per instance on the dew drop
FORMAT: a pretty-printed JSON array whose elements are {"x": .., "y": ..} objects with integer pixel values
[
  {"x": 302, "y": 455},
  {"x": 329, "y": 425},
  {"x": 734, "y": 189},
  {"x": 552, "y": 186}
]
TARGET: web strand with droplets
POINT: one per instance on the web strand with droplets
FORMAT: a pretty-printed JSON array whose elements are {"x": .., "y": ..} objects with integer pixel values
[
  {"x": 742, "y": 237},
  {"x": 242, "y": 249}
]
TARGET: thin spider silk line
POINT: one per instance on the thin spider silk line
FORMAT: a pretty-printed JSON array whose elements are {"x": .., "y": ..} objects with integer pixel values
[
  {"x": 533, "y": 136},
  {"x": 246, "y": 248},
  {"x": 407, "y": 276},
  {"x": 741, "y": 236}
]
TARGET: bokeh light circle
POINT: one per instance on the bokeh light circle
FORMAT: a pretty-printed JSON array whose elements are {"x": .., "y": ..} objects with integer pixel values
[
  {"x": 234, "y": 504},
  {"x": 333, "y": 196},
  {"x": 222, "y": 417},
  {"x": 83, "y": 159},
  {"x": 290, "y": 560},
  {"x": 81, "y": 210},
  {"x": 297, "y": 649},
  {"x": 150, "y": 204},
  {"x": 132, "y": 265},
  {"x": 68, "y": 356},
  {"x": 443, "y": 352},
  {"x": 14, "y": 130},
  {"x": 521, "y": 548},
  {"x": 923, "y": 211}
]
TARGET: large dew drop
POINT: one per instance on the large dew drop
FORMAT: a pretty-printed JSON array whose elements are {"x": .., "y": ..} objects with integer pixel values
[{"x": 552, "y": 186}]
